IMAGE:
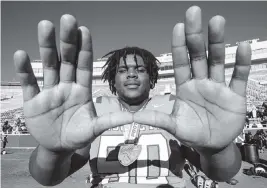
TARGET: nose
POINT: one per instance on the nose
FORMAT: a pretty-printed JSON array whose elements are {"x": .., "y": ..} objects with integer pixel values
[{"x": 132, "y": 73}]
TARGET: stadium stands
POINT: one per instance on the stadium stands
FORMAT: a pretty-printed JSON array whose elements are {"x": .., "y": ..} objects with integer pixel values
[
  {"x": 11, "y": 94},
  {"x": 11, "y": 115}
]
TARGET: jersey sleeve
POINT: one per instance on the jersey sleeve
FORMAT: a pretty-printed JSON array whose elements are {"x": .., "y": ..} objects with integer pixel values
[
  {"x": 162, "y": 103},
  {"x": 106, "y": 104}
]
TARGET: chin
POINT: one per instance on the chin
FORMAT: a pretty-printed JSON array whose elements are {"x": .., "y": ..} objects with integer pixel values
[{"x": 136, "y": 97}]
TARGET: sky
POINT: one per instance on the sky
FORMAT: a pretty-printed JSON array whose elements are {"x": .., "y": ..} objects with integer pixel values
[{"x": 118, "y": 24}]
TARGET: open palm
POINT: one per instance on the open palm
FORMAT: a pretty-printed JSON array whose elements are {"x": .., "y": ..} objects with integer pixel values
[
  {"x": 62, "y": 116},
  {"x": 206, "y": 112}
]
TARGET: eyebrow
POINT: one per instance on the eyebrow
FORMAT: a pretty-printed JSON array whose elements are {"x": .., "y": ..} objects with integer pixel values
[{"x": 123, "y": 66}]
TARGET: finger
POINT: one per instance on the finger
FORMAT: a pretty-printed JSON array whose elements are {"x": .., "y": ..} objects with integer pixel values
[
  {"x": 216, "y": 49},
  {"x": 24, "y": 71},
  {"x": 181, "y": 65},
  {"x": 239, "y": 79},
  {"x": 155, "y": 119},
  {"x": 68, "y": 48},
  {"x": 84, "y": 74},
  {"x": 48, "y": 52},
  {"x": 195, "y": 42},
  {"x": 172, "y": 123},
  {"x": 111, "y": 120}
]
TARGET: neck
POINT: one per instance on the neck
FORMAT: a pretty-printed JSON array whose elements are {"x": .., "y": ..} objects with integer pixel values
[{"x": 133, "y": 107}]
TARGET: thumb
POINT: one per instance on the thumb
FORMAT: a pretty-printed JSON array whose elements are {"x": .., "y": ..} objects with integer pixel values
[
  {"x": 156, "y": 119},
  {"x": 111, "y": 120}
]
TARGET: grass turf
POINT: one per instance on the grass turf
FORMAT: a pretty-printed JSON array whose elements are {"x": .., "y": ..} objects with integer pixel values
[{"x": 15, "y": 174}]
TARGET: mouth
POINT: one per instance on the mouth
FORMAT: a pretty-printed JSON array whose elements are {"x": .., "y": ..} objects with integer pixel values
[{"x": 132, "y": 85}]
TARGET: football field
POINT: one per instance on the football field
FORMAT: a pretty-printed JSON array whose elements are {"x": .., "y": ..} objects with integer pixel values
[{"x": 15, "y": 174}]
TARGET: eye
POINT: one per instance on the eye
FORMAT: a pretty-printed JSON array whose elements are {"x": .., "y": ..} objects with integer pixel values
[
  {"x": 141, "y": 69},
  {"x": 122, "y": 70}
]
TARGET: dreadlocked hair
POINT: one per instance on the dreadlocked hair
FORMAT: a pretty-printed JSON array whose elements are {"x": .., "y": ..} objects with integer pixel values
[{"x": 150, "y": 61}]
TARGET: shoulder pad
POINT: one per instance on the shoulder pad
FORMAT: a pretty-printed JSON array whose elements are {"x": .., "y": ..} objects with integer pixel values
[
  {"x": 162, "y": 103},
  {"x": 106, "y": 104}
]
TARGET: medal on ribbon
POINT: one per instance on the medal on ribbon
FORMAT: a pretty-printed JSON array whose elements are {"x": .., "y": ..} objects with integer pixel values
[
  {"x": 130, "y": 150},
  {"x": 129, "y": 153}
]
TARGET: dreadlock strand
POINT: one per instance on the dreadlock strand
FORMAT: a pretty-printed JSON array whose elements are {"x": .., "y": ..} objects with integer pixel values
[
  {"x": 135, "y": 59},
  {"x": 124, "y": 57}
]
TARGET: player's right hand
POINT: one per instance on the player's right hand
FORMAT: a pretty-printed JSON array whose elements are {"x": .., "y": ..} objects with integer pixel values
[{"x": 62, "y": 117}]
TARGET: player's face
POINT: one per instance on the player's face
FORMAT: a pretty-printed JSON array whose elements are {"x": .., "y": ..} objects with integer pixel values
[{"x": 132, "y": 80}]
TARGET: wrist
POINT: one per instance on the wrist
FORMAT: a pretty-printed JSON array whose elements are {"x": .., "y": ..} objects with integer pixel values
[
  {"x": 221, "y": 165},
  {"x": 46, "y": 158},
  {"x": 209, "y": 152}
]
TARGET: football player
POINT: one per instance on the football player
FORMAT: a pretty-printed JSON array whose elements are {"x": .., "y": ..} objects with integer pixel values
[{"x": 133, "y": 140}]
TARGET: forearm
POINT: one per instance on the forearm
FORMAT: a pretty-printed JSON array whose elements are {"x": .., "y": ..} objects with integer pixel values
[
  {"x": 49, "y": 168},
  {"x": 221, "y": 166}
]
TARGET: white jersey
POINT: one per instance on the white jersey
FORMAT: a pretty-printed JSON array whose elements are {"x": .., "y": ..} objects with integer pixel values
[{"x": 160, "y": 161}]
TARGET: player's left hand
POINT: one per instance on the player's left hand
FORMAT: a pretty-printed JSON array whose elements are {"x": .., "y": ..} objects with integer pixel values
[{"x": 206, "y": 114}]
